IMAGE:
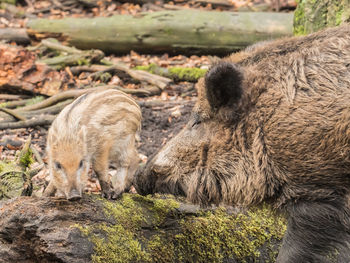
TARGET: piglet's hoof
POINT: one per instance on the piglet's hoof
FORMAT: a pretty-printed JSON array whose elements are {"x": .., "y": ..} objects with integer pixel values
[{"x": 110, "y": 193}]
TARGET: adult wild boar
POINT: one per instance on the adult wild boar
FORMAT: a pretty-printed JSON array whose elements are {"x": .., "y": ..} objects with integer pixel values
[{"x": 272, "y": 127}]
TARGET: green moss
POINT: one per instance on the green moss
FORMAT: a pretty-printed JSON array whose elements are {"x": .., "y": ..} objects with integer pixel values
[
  {"x": 34, "y": 100},
  {"x": 12, "y": 2},
  {"x": 339, "y": 12},
  {"x": 121, "y": 241},
  {"x": 15, "y": 178},
  {"x": 299, "y": 19},
  {"x": 105, "y": 77},
  {"x": 11, "y": 180},
  {"x": 311, "y": 15},
  {"x": 160, "y": 249},
  {"x": 149, "y": 68},
  {"x": 26, "y": 158},
  {"x": 126, "y": 212},
  {"x": 216, "y": 236},
  {"x": 188, "y": 74},
  {"x": 210, "y": 237},
  {"x": 175, "y": 73}
]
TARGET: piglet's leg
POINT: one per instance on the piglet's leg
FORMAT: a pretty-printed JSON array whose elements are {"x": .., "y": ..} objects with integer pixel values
[
  {"x": 100, "y": 165},
  {"x": 50, "y": 189},
  {"x": 124, "y": 176},
  {"x": 119, "y": 180},
  {"x": 127, "y": 163}
]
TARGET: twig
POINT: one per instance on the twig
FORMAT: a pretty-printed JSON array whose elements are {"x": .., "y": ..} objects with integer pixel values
[
  {"x": 54, "y": 109},
  {"x": 14, "y": 104},
  {"x": 51, "y": 110},
  {"x": 54, "y": 44},
  {"x": 161, "y": 103},
  {"x": 37, "y": 155},
  {"x": 141, "y": 75},
  {"x": 54, "y": 99},
  {"x": 69, "y": 94},
  {"x": 11, "y": 97},
  {"x": 136, "y": 92},
  {"x": 17, "y": 115},
  {"x": 35, "y": 170},
  {"x": 93, "y": 68},
  {"x": 42, "y": 120}
]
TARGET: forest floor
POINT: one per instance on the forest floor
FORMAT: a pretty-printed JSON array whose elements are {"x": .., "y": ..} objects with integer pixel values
[{"x": 160, "y": 122}]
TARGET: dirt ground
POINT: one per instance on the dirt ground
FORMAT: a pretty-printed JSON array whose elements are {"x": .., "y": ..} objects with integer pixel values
[{"x": 159, "y": 126}]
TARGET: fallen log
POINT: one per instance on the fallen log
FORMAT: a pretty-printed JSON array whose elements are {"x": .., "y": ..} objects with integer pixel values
[
  {"x": 167, "y": 31},
  {"x": 18, "y": 35},
  {"x": 134, "y": 229}
]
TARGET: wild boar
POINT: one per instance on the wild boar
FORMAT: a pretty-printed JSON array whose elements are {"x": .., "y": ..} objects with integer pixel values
[
  {"x": 97, "y": 128},
  {"x": 272, "y": 127}
]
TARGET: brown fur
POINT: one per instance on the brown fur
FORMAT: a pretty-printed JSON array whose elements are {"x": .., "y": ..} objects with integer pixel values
[
  {"x": 274, "y": 126},
  {"x": 98, "y": 128}
]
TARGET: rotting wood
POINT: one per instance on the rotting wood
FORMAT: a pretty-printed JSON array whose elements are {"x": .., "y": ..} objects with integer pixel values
[
  {"x": 18, "y": 35},
  {"x": 135, "y": 229},
  {"x": 185, "y": 31}
]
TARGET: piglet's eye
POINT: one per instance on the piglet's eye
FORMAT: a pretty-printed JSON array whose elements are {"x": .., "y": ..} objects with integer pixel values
[
  {"x": 58, "y": 166},
  {"x": 81, "y": 164}
]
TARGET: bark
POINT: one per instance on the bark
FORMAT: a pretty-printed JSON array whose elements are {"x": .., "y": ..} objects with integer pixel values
[
  {"x": 311, "y": 16},
  {"x": 134, "y": 229},
  {"x": 167, "y": 31}
]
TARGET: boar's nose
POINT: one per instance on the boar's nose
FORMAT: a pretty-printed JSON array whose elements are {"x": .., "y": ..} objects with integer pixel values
[{"x": 74, "y": 195}]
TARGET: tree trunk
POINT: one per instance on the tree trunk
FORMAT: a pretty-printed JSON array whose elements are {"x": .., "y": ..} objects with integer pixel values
[
  {"x": 134, "y": 229},
  {"x": 167, "y": 31},
  {"x": 311, "y": 16}
]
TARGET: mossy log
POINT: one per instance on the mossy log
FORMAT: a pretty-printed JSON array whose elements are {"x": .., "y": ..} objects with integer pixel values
[
  {"x": 185, "y": 31},
  {"x": 311, "y": 16},
  {"x": 134, "y": 229},
  {"x": 15, "y": 176}
]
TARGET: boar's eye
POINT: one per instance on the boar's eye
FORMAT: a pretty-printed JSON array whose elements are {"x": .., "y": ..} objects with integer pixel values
[
  {"x": 196, "y": 122},
  {"x": 58, "y": 166},
  {"x": 81, "y": 164},
  {"x": 195, "y": 119}
]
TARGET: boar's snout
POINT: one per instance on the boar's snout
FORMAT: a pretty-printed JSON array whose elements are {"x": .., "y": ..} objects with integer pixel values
[{"x": 74, "y": 195}]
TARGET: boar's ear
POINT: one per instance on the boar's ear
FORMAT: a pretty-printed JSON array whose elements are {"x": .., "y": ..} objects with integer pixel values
[{"x": 223, "y": 84}]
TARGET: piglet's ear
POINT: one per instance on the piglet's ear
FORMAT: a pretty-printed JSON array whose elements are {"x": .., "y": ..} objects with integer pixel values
[
  {"x": 82, "y": 133},
  {"x": 223, "y": 84}
]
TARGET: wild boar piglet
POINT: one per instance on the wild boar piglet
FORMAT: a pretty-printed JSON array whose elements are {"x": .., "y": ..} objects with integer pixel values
[{"x": 98, "y": 128}]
